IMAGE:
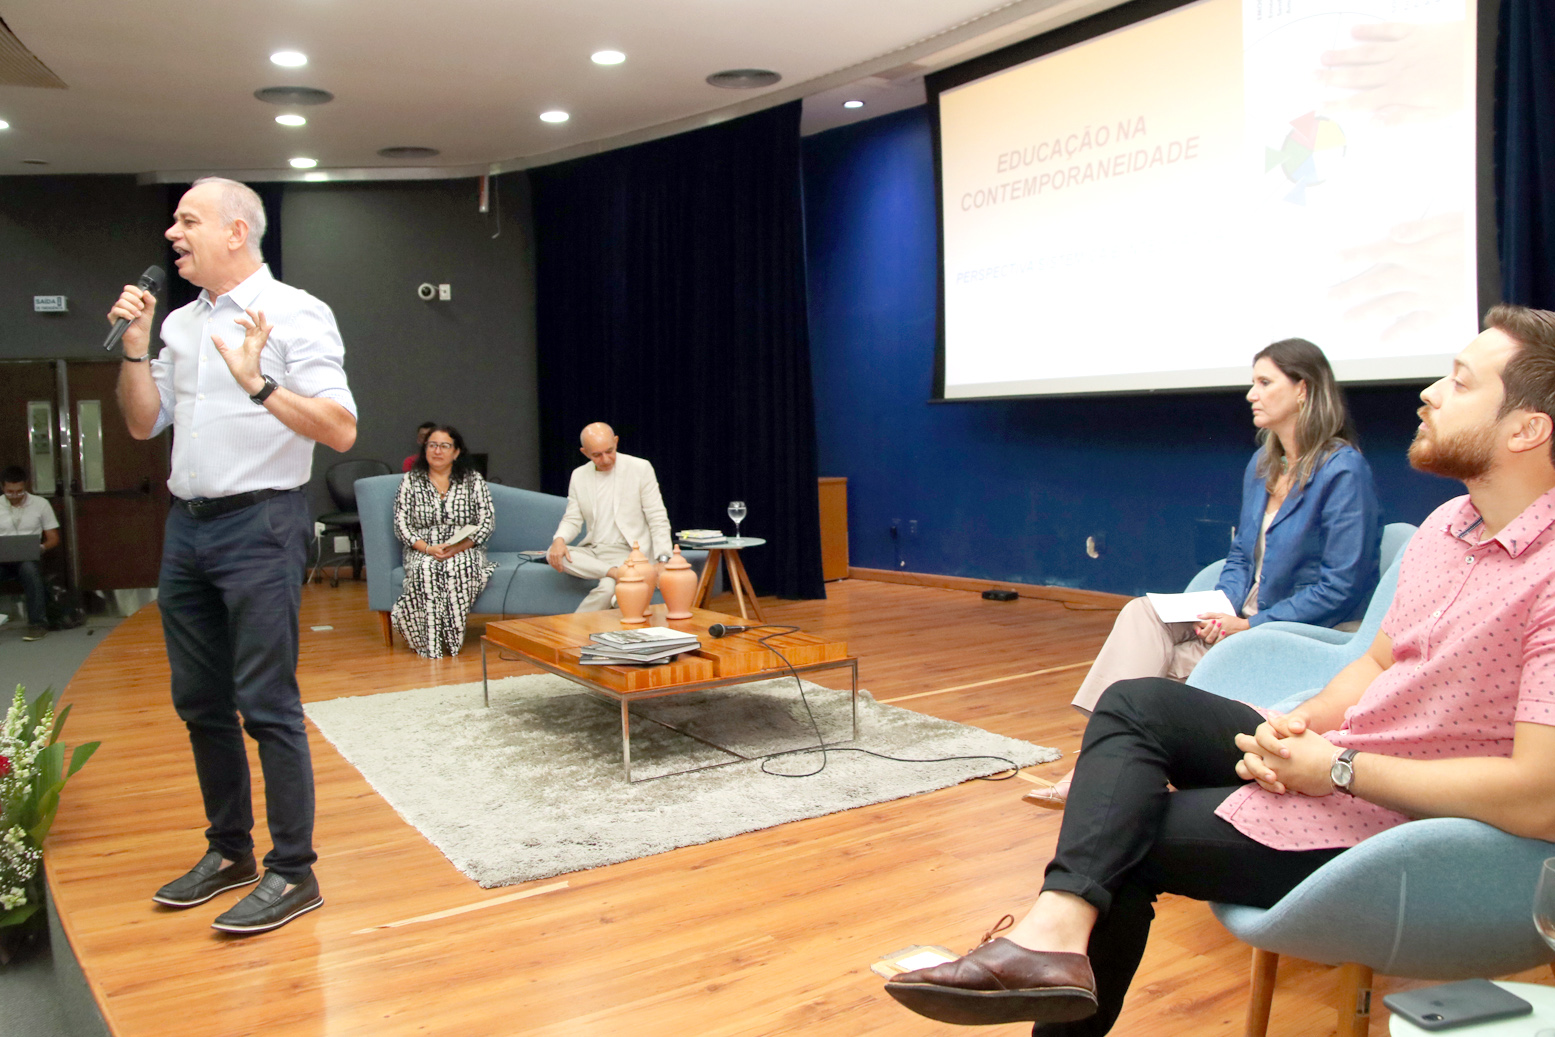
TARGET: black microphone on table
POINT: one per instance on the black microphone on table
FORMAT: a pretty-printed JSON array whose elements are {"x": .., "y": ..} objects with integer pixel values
[
  {"x": 721, "y": 630},
  {"x": 150, "y": 281}
]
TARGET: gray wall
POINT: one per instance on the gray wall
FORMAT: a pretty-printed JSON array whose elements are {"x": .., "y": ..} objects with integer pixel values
[
  {"x": 79, "y": 236},
  {"x": 470, "y": 362},
  {"x": 362, "y": 248}
]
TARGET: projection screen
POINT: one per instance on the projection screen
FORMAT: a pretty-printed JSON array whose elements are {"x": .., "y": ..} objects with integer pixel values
[{"x": 1147, "y": 208}]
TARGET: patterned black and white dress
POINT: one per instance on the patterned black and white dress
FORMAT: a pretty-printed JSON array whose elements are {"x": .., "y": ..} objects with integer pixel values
[{"x": 438, "y": 593}]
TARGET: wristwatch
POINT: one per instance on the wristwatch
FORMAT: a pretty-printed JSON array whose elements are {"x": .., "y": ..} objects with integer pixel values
[
  {"x": 1342, "y": 773},
  {"x": 662, "y": 558},
  {"x": 264, "y": 391}
]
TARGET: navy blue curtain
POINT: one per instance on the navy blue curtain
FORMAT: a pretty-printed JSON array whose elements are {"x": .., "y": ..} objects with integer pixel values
[
  {"x": 671, "y": 304},
  {"x": 1525, "y": 151}
]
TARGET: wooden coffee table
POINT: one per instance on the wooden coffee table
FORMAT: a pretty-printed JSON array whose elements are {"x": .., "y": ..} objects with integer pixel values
[{"x": 553, "y": 643}]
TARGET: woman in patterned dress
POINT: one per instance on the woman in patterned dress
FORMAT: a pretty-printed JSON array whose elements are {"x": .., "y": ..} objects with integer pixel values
[{"x": 441, "y": 494}]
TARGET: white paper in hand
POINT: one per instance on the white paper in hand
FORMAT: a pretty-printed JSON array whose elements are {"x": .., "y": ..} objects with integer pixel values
[{"x": 1187, "y": 607}]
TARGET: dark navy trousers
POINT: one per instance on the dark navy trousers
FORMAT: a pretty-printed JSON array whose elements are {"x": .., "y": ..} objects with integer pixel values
[
  {"x": 230, "y": 594},
  {"x": 1127, "y": 838}
]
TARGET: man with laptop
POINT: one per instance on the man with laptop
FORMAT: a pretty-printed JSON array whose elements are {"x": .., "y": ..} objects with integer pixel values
[{"x": 27, "y": 529}]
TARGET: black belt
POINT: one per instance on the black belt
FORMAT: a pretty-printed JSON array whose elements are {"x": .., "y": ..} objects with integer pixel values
[{"x": 212, "y": 507}]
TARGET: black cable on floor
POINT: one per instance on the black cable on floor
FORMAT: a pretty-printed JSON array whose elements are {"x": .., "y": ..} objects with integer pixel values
[{"x": 821, "y": 746}]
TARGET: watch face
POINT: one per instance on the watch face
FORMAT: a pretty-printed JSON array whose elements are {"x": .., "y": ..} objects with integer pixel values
[{"x": 1341, "y": 773}]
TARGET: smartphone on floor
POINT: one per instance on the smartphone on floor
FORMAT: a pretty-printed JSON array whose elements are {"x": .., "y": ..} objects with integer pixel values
[{"x": 1457, "y": 1004}]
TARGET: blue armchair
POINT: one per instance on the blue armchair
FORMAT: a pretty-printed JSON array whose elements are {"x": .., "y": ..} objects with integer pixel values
[
  {"x": 1442, "y": 898},
  {"x": 526, "y": 521},
  {"x": 1274, "y": 662}
]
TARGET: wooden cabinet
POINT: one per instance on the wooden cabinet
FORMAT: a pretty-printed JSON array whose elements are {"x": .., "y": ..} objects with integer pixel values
[{"x": 834, "y": 528}]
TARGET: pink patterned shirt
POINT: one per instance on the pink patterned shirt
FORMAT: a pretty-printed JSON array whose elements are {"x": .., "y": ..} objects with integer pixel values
[{"x": 1473, "y": 629}]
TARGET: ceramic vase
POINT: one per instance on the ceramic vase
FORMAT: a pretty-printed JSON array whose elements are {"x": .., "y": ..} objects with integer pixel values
[
  {"x": 645, "y": 567},
  {"x": 678, "y": 584},
  {"x": 633, "y": 595}
]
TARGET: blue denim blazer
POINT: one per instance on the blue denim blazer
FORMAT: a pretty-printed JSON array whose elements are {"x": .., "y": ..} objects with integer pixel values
[{"x": 1320, "y": 554}]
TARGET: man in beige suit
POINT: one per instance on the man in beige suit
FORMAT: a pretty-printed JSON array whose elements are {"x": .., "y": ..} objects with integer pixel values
[{"x": 617, "y": 497}]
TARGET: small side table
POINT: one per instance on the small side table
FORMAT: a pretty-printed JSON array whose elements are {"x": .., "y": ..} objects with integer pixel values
[
  {"x": 728, "y": 551},
  {"x": 1542, "y": 1021}
]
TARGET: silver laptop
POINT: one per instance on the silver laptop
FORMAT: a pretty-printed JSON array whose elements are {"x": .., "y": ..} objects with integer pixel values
[{"x": 24, "y": 548}]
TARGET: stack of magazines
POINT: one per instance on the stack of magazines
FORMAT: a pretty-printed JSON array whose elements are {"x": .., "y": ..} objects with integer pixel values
[
  {"x": 648, "y": 646},
  {"x": 700, "y": 537}
]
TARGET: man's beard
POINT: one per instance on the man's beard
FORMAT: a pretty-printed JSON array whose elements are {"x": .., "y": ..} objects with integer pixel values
[{"x": 1465, "y": 456}]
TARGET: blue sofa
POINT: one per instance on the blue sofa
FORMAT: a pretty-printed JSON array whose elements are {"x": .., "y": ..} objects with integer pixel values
[{"x": 526, "y": 520}]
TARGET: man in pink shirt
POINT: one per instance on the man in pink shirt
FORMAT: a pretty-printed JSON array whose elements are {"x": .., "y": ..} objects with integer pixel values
[{"x": 1450, "y": 713}]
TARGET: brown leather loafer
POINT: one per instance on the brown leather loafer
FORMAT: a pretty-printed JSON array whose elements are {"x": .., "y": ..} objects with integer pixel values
[{"x": 1001, "y": 982}]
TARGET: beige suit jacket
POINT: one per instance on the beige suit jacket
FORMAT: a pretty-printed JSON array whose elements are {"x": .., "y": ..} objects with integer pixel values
[{"x": 640, "y": 513}]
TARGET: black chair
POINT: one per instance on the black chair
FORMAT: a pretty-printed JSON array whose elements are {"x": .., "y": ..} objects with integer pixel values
[{"x": 341, "y": 480}]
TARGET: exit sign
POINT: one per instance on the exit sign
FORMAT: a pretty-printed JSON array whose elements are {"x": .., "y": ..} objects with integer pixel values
[{"x": 50, "y": 304}]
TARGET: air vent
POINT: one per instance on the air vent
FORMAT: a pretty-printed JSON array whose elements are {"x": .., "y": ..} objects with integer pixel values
[
  {"x": 33, "y": 162},
  {"x": 293, "y": 95},
  {"x": 409, "y": 152},
  {"x": 20, "y": 67},
  {"x": 743, "y": 78}
]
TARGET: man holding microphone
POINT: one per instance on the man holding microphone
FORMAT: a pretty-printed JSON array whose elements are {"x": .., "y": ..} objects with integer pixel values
[{"x": 249, "y": 376}]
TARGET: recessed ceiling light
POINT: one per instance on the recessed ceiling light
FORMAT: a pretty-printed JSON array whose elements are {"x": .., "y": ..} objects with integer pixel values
[
  {"x": 4, "y": 125},
  {"x": 291, "y": 120},
  {"x": 554, "y": 116},
  {"x": 607, "y": 57},
  {"x": 304, "y": 163},
  {"x": 289, "y": 58},
  {"x": 853, "y": 104}
]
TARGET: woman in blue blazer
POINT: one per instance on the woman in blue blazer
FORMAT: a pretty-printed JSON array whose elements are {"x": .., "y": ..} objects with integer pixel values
[{"x": 1306, "y": 545}]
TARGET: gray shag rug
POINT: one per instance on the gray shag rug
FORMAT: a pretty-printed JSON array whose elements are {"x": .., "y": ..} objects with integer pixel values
[{"x": 532, "y": 787}]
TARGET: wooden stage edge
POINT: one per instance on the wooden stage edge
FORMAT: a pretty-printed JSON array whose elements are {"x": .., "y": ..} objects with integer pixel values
[
  {"x": 1044, "y": 592},
  {"x": 770, "y": 932}
]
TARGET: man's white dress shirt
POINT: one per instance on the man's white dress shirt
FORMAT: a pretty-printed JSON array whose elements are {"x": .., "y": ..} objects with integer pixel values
[{"x": 223, "y": 443}]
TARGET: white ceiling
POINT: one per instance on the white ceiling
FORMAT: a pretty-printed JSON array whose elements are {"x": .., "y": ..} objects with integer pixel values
[{"x": 164, "y": 88}]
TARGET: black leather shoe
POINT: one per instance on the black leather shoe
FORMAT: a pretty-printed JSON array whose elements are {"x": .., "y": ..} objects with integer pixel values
[
  {"x": 270, "y": 906},
  {"x": 1001, "y": 982},
  {"x": 206, "y": 879}
]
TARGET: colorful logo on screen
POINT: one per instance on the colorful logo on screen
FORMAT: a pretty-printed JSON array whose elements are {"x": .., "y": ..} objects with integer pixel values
[{"x": 1312, "y": 151}]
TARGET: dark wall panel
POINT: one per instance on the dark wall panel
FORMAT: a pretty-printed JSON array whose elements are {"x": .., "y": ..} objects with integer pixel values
[
  {"x": 79, "y": 236},
  {"x": 363, "y": 249},
  {"x": 469, "y": 362}
]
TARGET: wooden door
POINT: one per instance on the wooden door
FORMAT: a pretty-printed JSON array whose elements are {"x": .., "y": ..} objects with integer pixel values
[
  {"x": 118, "y": 485},
  {"x": 30, "y": 437}
]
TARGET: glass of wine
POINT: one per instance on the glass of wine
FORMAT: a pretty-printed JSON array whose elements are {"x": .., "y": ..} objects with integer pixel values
[
  {"x": 1544, "y": 903},
  {"x": 737, "y": 515}
]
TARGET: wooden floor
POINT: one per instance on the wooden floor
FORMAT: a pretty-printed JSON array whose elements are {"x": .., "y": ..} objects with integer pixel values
[{"x": 767, "y": 933}]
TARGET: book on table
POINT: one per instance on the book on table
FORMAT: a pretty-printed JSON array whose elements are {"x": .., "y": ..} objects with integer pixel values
[
  {"x": 627, "y": 647},
  {"x": 647, "y": 637}
]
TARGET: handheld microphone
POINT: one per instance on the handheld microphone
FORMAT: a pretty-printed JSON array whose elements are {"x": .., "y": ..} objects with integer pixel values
[
  {"x": 720, "y": 630},
  {"x": 150, "y": 281}
]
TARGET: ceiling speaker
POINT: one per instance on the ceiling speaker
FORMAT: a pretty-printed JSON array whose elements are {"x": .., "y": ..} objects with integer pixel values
[
  {"x": 743, "y": 78},
  {"x": 293, "y": 95}
]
